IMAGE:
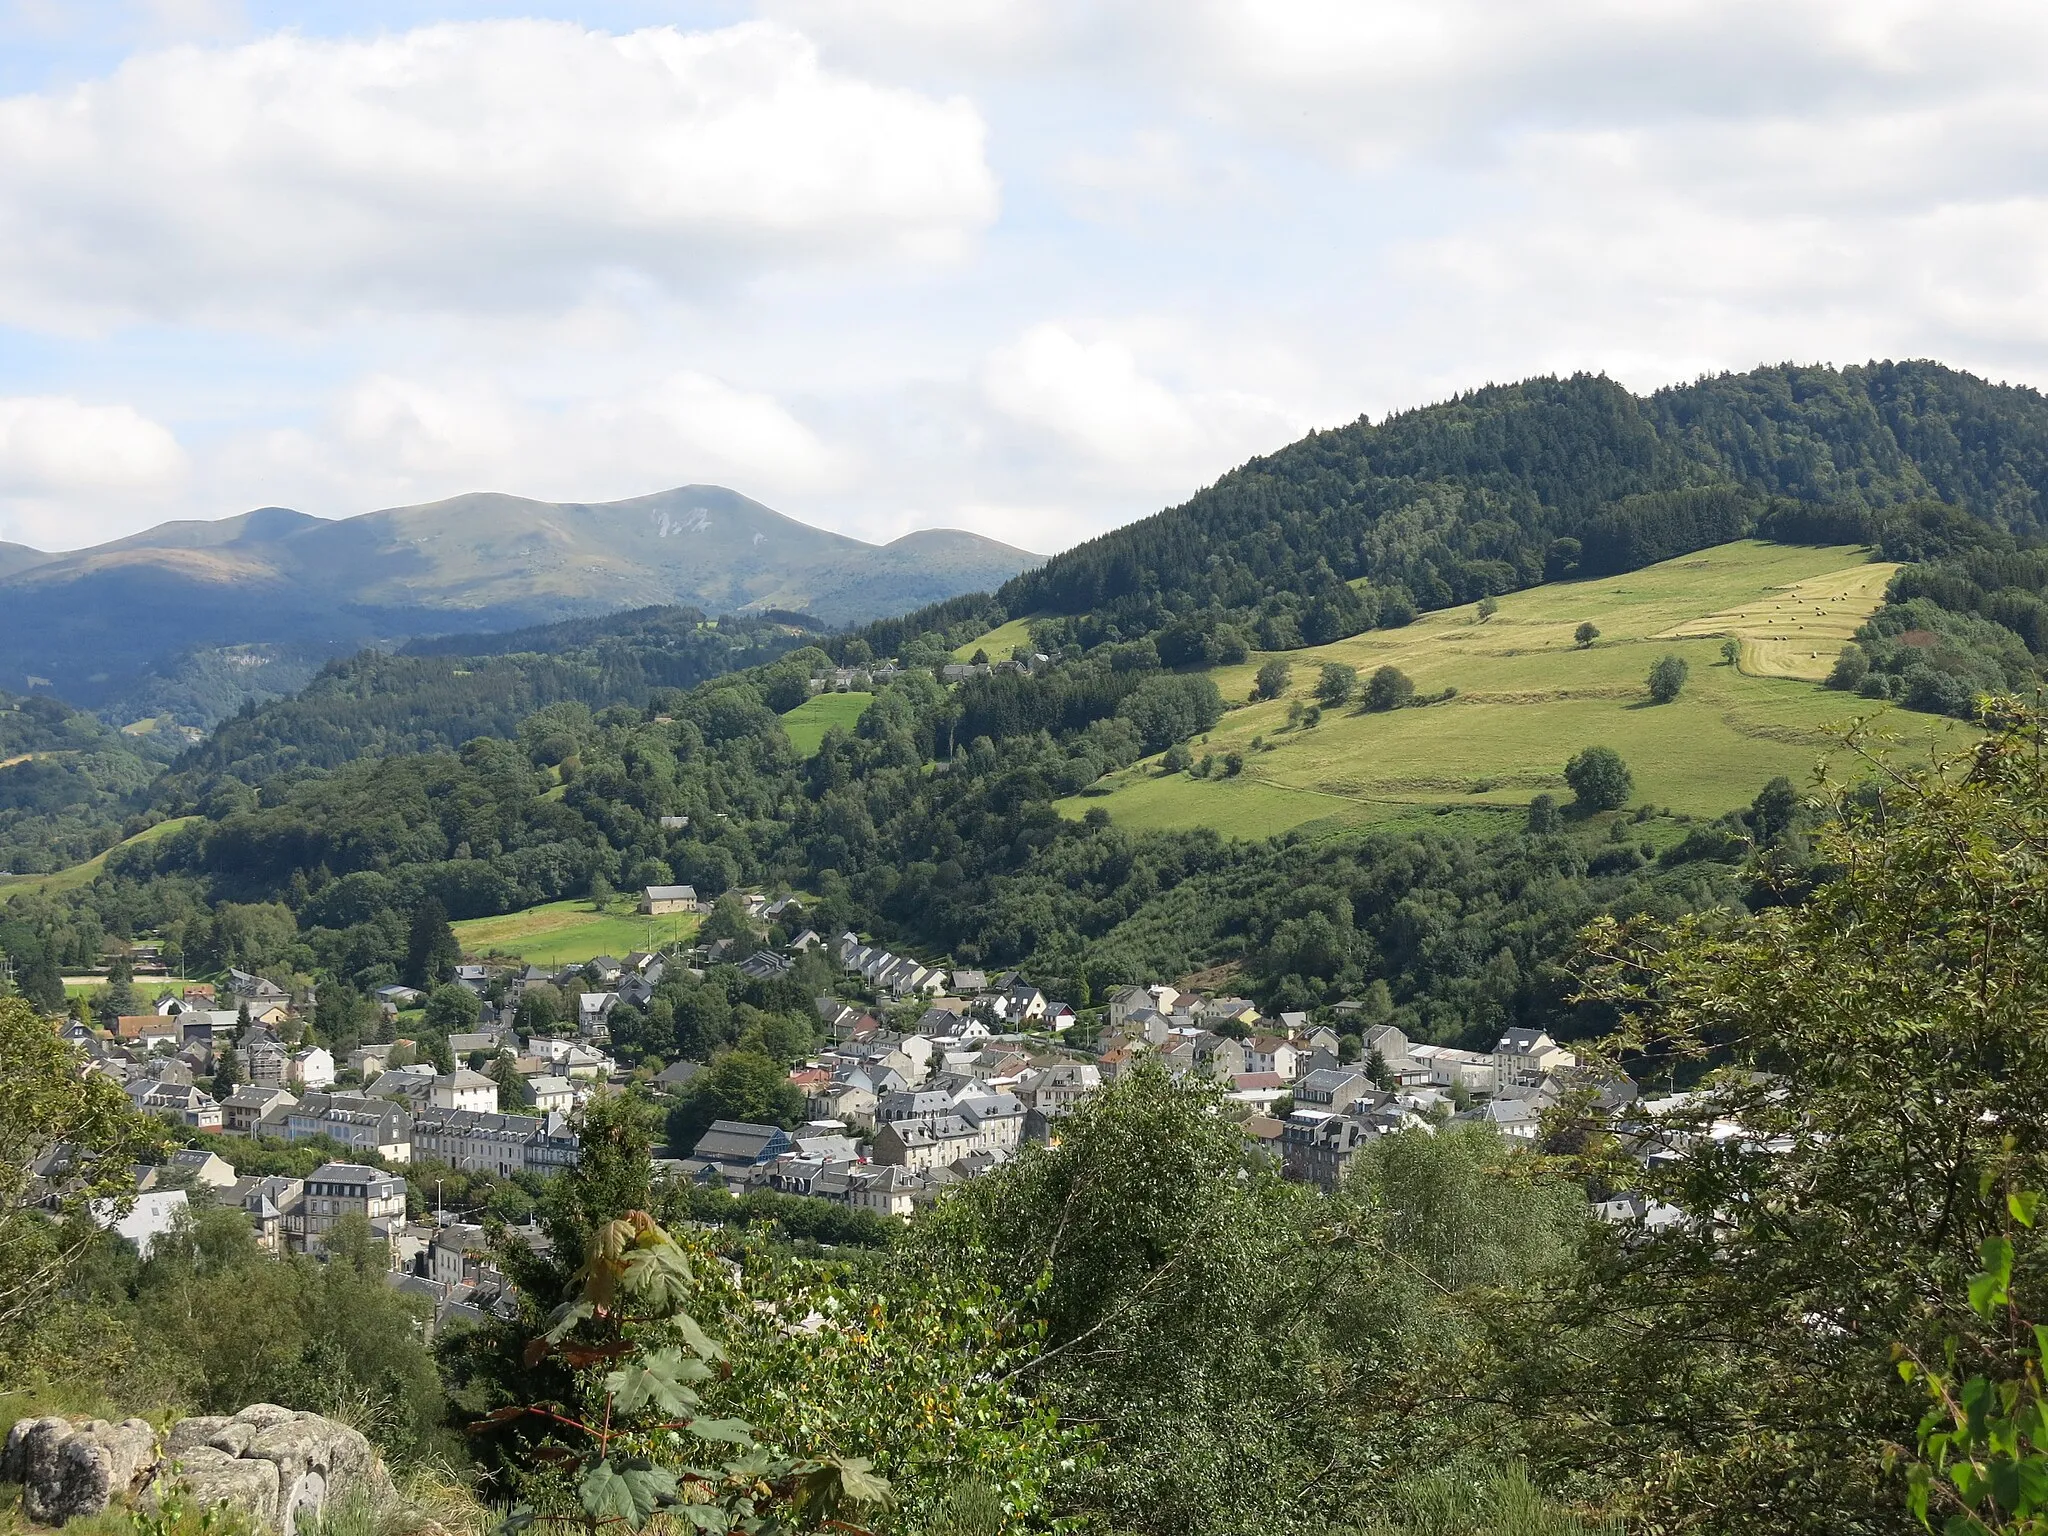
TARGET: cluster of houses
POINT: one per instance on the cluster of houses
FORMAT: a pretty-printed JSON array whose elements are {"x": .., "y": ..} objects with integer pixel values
[
  {"x": 447, "y": 1262},
  {"x": 374, "y": 1103},
  {"x": 868, "y": 676},
  {"x": 1007, "y": 1000},
  {"x": 1333, "y": 1108},
  {"x": 961, "y": 671},
  {"x": 860, "y": 679},
  {"x": 896, "y": 1118},
  {"x": 893, "y": 1115}
]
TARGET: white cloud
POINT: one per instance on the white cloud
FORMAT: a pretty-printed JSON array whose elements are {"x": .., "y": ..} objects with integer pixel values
[
  {"x": 73, "y": 473},
  {"x": 54, "y": 444},
  {"x": 1090, "y": 394},
  {"x": 1366, "y": 78},
  {"x": 1116, "y": 427},
  {"x": 467, "y": 167},
  {"x": 392, "y": 439}
]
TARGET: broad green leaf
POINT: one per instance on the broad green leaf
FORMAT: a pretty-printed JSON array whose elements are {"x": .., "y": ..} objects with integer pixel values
[
  {"x": 756, "y": 1461},
  {"x": 628, "y": 1491},
  {"x": 707, "y": 1348},
  {"x": 658, "y": 1275},
  {"x": 2033, "y": 1480},
  {"x": 2004, "y": 1481},
  {"x": 1990, "y": 1289},
  {"x": 2022, "y": 1203},
  {"x": 565, "y": 1317},
  {"x": 857, "y": 1480},
  {"x": 660, "y": 1379},
  {"x": 1917, "y": 1481},
  {"x": 830, "y": 1486},
  {"x": 730, "y": 1431},
  {"x": 706, "y": 1517}
]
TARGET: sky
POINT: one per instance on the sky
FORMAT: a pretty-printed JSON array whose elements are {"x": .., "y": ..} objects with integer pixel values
[{"x": 1029, "y": 267}]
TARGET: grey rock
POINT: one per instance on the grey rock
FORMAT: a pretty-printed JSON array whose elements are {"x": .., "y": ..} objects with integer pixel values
[
  {"x": 37, "y": 1457},
  {"x": 211, "y": 1476},
  {"x": 273, "y": 1463},
  {"x": 195, "y": 1431},
  {"x": 84, "y": 1484},
  {"x": 318, "y": 1459},
  {"x": 79, "y": 1469},
  {"x": 15, "y": 1460},
  {"x": 131, "y": 1451},
  {"x": 306, "y": 1495}
]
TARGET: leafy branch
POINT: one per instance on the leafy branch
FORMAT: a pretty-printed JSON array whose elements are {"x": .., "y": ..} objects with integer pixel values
[
  {"x": 1983, "y": 1444},
  {"x": 639, "y": 1447}
]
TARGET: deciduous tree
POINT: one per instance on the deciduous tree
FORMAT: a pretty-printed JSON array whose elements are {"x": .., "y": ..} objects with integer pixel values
[
  {"x": 1667, "y": 678},
  {"x": 1599, "y": 779}
]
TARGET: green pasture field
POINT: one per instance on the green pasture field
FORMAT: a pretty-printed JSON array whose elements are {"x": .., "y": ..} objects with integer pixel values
[
  {"x": 1529, "y": 697},
  {"x": 998, "y": 642},
  {"x": 570, "y": 932},
  {"x": 810, "y": 720},
  {"x": 78, "y": 875}
]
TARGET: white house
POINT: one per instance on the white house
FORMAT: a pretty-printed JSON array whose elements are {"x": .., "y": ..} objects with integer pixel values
[
  {"x": 1275, "y": 1054},
  {"x": 1021, "y": 1004},
  {"x": 148, "y": 1219},
  {"x": 552, "y": 1095},
  {"x": 312, "y": 1069},
  {"x": 1474, "y": 1071}
]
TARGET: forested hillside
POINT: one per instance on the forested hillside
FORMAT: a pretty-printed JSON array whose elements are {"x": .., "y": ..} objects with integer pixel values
[
  {"x": 67, "y": 782},
  {"x": 569, "y": 765},
  {"x": 1142, "y": 1326},
  {"x": 907, "y": 827},
  {"x": 439, "y": 694},
  {"x": 1365, "y": 525},
  {"x": 72, "y": 787}
]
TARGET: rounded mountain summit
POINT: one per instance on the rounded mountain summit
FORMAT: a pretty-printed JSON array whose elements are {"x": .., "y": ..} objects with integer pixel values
[{"x": 82, "y": 622}]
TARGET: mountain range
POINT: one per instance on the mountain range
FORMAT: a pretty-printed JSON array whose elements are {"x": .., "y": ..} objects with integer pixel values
[{"x": 123, "y": 627}]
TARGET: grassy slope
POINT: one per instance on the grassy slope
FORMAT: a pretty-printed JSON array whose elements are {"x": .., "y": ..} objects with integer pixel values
[
  {"x": 998, "y": 642},
  {"x": 1528, "y": 698},
  {"x": 569, "y": 932},
  {"x": 810, "y": 720},
  {"x": 82, "y": 874}
]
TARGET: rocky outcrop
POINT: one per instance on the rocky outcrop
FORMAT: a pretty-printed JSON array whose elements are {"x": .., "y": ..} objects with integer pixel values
[
  {"x": 68, "y": 1469},
  {"x": 277, "y": 1465}
]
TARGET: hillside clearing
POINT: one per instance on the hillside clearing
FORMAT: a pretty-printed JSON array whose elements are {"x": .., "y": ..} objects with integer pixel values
[
  {"x": 569, "y": 932},
  {"x": 998, "y": 642},
  {"x": 83, "y": 874},
  {"x": 1797, "y": 630},
  {"x": 1529, "y": 697},
  {"x": 810, "y": 720}
]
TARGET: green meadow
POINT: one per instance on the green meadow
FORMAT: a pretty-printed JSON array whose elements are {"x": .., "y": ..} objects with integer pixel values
[
  {"x": 1528, "y": 697},
  {"x": 998, "y": 642},
  {"x": 810, "y": 720},
  {"x": 570, "y": 932}
]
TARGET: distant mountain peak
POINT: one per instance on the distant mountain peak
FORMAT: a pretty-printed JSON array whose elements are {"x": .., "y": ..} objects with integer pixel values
[{"x": 94, "y": 620}]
